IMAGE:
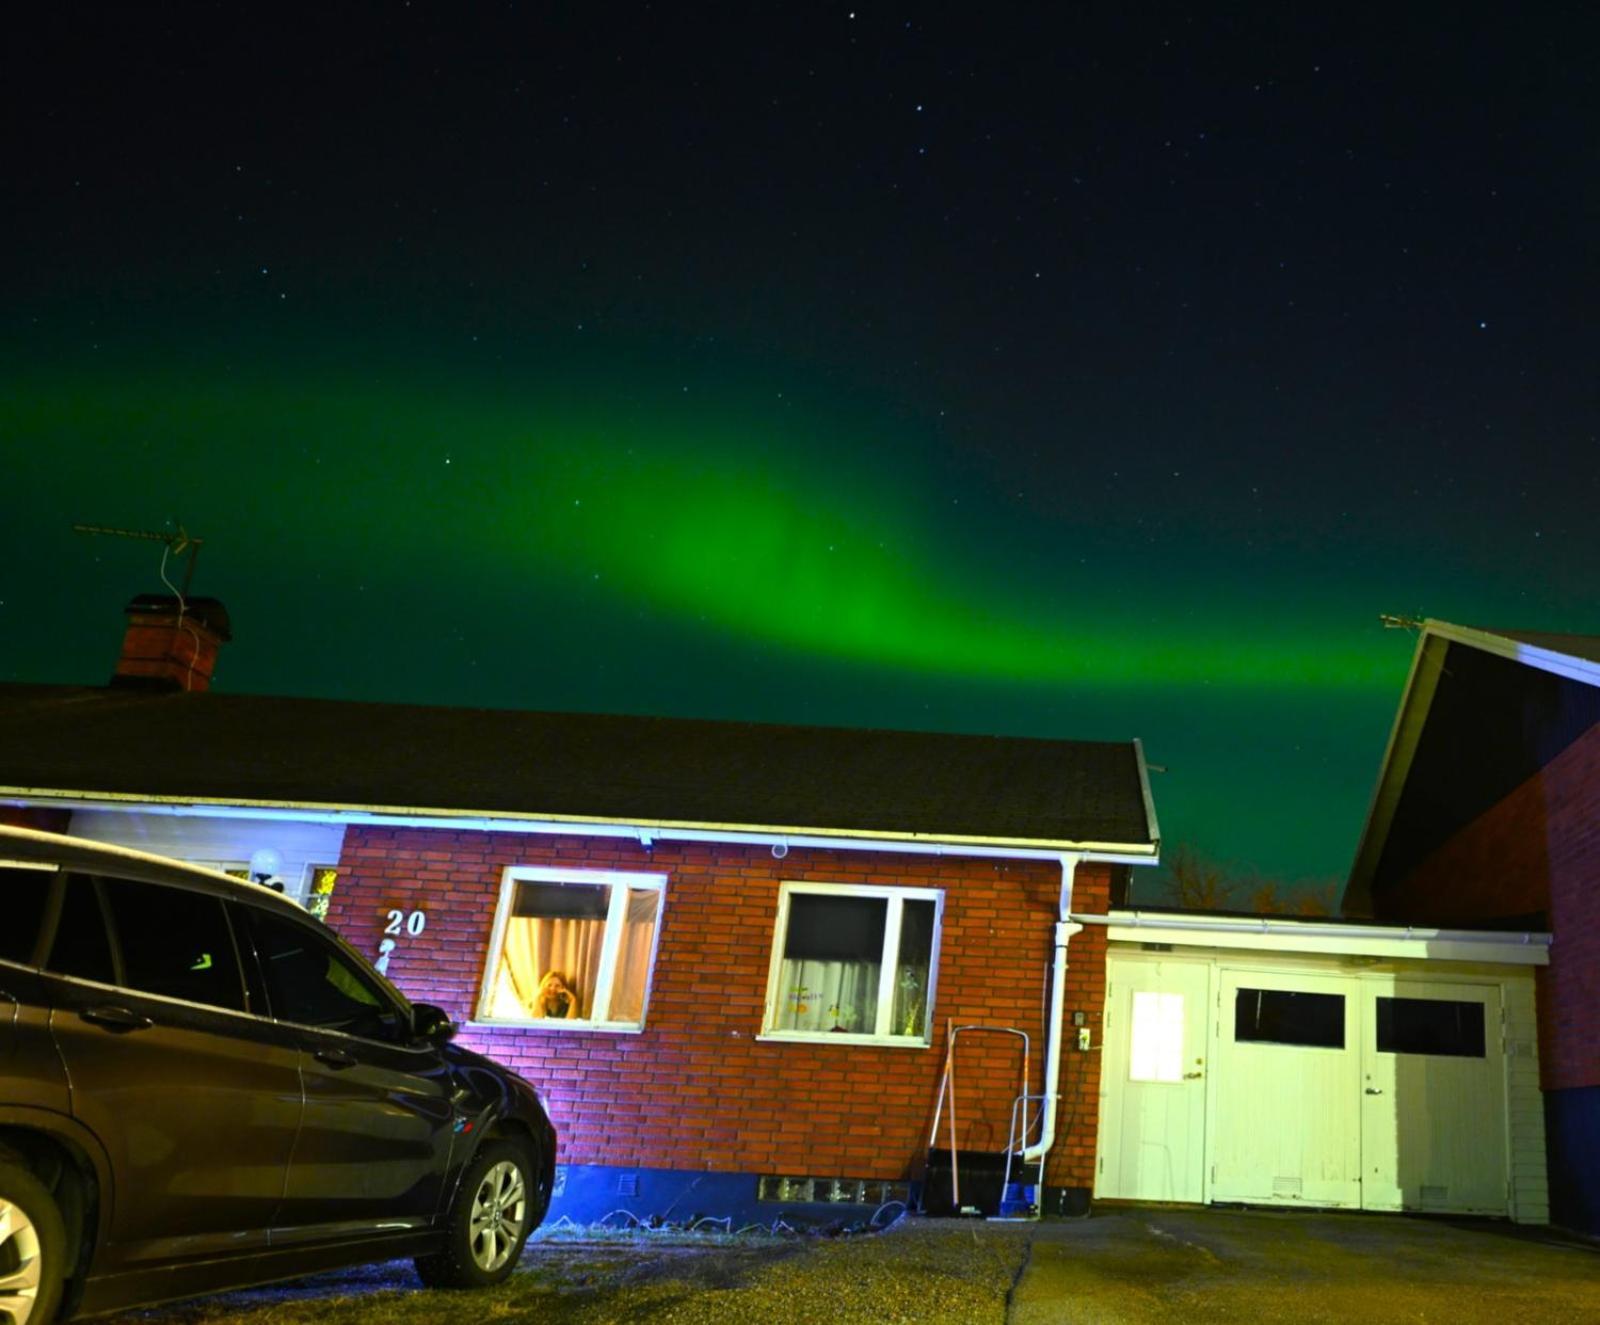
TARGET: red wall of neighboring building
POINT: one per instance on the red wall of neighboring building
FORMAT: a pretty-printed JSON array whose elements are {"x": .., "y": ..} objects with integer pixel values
[
  {"x": 1536, "y": 849},
  {"x": 696, "y": 1089}
]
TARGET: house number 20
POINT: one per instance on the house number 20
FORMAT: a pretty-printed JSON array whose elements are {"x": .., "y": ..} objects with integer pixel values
[{"x": 397, "y": 925}]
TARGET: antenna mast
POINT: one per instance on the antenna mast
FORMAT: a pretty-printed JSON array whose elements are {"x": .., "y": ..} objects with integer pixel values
[{"x": 179, "y": 544}]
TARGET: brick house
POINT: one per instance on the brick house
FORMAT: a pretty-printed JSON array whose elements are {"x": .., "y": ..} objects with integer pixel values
[
  {"x": 728, "y": 953},
  {"x": 1487, "y": 814}
]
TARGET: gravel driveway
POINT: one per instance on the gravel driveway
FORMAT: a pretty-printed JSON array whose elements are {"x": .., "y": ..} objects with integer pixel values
[{"x": 917, "y": 1271}]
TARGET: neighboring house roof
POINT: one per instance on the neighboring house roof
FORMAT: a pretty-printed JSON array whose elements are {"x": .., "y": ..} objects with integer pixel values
[
  {"x": 63, "y": 743},
  {"x": 1482, "y": 711}
]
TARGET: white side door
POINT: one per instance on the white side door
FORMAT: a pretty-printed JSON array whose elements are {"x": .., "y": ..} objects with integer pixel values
[
  {"x": 1433, "y": 1106},
  {"x": 1152, "y": 1086},
  {"x": 1286, "y": 1123}
]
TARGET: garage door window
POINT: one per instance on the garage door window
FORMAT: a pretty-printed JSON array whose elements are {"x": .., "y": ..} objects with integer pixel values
[
  {"x": 1430, "y": 1026},
  {"x": 1289, "y": 1016},
  {"x": 1156, "y": 1044}
]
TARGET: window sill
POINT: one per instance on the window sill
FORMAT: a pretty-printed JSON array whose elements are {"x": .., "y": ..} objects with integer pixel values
[
  {"x": 554, "y": 1026},
  {"x": 842, "y": 1038}
]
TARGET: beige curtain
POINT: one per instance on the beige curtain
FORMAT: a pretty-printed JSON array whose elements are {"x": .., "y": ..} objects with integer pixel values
[{"x": 633, "y": 955}]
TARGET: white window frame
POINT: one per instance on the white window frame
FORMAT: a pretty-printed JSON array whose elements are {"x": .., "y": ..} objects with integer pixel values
[
  {"x": 896, "y": 898},
  {"x": 619, "y": 881}
]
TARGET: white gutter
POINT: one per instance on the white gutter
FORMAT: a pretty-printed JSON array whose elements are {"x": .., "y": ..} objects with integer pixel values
[
  {"x": 1265, "y": 934},
  {"x": 1066, "y": 927},
  {"x": 645, "y": 831}
]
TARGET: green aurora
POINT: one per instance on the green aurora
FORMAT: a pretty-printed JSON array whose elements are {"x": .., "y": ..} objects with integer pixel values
[{"x": 398, "y": 536}]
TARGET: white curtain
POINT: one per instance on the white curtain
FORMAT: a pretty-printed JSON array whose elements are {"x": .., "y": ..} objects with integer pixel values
[{"x": 828, "y": 996}]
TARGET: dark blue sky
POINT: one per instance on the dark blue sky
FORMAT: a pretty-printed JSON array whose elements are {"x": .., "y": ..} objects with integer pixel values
[{"x": 1079, "y": 371}]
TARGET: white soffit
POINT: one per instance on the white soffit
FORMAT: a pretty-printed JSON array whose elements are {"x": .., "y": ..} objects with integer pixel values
[{"x": 1414, "y": 943}]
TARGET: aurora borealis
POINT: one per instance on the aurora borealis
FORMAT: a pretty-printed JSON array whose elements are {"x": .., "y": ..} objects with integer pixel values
[{"x": 880, "y": 370}]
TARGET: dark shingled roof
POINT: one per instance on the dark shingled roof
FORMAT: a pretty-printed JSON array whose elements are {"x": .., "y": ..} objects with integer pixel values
[{"x": 253, "y": 749}]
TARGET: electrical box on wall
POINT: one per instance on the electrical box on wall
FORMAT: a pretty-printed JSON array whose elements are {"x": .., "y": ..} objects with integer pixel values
[{"x": 1083, "y": 1037}]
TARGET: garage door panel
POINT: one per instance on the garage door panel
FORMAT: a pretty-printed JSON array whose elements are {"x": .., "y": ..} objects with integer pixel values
[
  {"x": 1152, "y": 1114},
  {"x": 1433, "y": 1099},
  {"x": 1286, "y": 1131}
]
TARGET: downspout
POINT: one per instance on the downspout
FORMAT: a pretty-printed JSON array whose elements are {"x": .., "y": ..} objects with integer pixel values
[{"x": 1066, "y": 927}]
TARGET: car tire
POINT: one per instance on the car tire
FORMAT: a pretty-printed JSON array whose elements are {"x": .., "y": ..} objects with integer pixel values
[
  {"x": 495, "y": 1208},
  {"x": 33, "y": 1247}
]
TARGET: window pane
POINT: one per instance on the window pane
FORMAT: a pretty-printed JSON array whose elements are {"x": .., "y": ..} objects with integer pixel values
[
  {"x": 1156, "y": 1052},
  {"x": 23, "y": 893},
  {"x": 81, "y": 947},
  {"x": 550, "y": 961},
  {"x": 1287, "y": 1016},
  {"x": 633, "y": 954},
  {"x": 1430, "y": 1026},
  {"x": 175, "y": 943},
  {"x": 910, "y": 1015},
  {"x": 312, "y": 983},
  {"x": 832, "y": 958}
]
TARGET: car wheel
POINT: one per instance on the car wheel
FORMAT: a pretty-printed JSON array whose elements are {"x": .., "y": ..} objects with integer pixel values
[
  {"x": 33, "y": 1245},
  {"x": 493, "y": 1213}
]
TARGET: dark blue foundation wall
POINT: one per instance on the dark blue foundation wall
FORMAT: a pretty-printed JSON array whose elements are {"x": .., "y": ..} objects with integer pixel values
[
  {"x": 593, "y": 1193},
  {"x": 1572, "y": 1136}
]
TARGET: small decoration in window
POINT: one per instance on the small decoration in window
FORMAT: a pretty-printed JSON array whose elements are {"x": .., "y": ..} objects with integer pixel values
[
  {"x": 842, "y": 1016},
  {"x": 797, "y": 997},
  {"x": 910, "y": 986}
]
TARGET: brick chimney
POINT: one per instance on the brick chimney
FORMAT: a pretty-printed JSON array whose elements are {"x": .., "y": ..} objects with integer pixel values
[{"x": 171, "y": 649}]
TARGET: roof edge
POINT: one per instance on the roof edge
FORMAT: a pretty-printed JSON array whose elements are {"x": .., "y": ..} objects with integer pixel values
[{"x": 508, "y": 821}]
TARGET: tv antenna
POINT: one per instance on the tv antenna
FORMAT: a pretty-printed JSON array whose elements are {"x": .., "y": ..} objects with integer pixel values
[{"x": 179, "y": 543}]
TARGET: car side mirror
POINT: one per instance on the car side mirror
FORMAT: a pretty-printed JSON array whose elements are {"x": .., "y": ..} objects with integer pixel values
[{"x": 431, "y": 1023}]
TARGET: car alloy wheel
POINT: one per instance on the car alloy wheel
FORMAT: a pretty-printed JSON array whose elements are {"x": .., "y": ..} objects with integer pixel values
[
  {"x": 499, "y": 1213},
  {"x": 20, "y": 1267}
]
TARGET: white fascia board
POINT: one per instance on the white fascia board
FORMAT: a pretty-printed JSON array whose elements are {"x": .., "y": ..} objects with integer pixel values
[
  {"x": 1152, "y": 828},
  {"x": 1546, "y": 660},
  {"x": 1414, "y": 943},
  {"x": 1122, "y": 853},
  {"x": 1416, "y": 699}
]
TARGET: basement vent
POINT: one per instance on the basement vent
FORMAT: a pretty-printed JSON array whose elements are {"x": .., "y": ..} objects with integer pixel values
[
  {"x": 628, "y": 1184},
  {"x": 853, "y": 1191},
  {"x": 1286, "y": 1187},
  {"x": 1434, "y": 1195},
  {"x": 1155, "y": 947}
]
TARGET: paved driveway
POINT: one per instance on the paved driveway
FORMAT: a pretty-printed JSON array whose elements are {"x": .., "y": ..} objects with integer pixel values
[{"x": 1143, "y": 1264}]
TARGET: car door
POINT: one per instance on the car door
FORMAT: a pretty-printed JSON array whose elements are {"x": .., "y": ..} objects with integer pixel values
[
  {"x": 372, "y": 1153},
  {"x": 29, "y": 1063},
  {"x": 196, "y": 1100}
]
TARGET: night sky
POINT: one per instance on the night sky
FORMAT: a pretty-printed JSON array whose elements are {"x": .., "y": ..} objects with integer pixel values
[{"x": 1064, "y": 371}]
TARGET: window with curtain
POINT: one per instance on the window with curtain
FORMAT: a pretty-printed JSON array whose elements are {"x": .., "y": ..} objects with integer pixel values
[
  {"x": 573, "y": 949},
  {"x": 856, "y": 962}
]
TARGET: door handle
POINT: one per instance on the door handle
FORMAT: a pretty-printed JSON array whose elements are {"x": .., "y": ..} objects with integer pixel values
[
  {"x": 1372, "y": 1091},
  {"x": 116, "y": 1019},
  {"x": 334, "y": 1057},
  {"x": 1193, "y": 1076}
]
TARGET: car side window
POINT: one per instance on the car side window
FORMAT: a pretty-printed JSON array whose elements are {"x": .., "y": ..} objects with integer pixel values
[
  {"x": 81, "y": 946},
  {"x": 23, "y": 895},
  {"x": 175, "y": 943},
  {"x": 311, "y": 982}
]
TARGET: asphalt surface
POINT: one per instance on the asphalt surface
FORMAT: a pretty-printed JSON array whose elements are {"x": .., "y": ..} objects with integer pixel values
[
  {"x": 1152, "y": 1266},
  {"x": 1157, "y": 1265}
]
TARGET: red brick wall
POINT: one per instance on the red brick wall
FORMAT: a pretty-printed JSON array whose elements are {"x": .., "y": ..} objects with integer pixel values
[
  {"x": 1537, "y": 849},
  {"x": 696, "y": 1089}
]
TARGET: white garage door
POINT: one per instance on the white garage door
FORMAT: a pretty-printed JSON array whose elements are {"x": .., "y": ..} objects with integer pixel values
[
  {"x": 1279, "y": 1087},
  {"x": 1286, "y": 1108}
]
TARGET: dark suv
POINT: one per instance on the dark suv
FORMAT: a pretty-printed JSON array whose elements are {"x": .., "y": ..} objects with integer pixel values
[{"x": 202, "y": 1087}]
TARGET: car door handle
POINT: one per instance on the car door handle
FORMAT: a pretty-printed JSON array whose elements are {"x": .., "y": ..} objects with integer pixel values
[
  {"x": 116, "y": 1019},
  {"x": 334, "y": 1057}
]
